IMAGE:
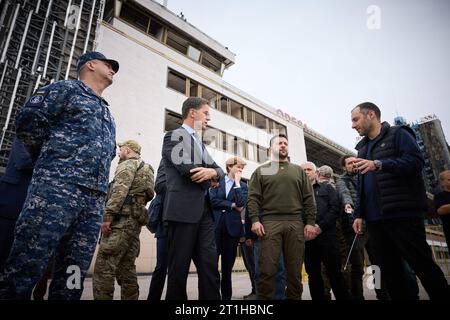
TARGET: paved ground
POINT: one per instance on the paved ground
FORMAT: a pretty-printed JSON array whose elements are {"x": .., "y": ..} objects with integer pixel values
[{"x": 241, "y": 287}]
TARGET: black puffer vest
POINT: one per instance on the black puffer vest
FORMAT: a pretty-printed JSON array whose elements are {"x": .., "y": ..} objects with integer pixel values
[{"x": 397, "y": 193}]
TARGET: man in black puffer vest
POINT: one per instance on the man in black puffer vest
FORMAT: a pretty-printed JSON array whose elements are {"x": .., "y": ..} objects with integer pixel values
[{"x": 392, "y": 200}]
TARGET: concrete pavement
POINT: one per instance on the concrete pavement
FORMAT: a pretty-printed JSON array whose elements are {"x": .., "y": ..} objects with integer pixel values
[{"x": 241, "y": 287}]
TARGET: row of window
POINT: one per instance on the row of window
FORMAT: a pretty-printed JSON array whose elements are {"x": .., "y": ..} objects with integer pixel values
[
  {"x": 142, "y": 19},
  {"x": 192, "y": 88},
  {"x": 222, "y": 141}
]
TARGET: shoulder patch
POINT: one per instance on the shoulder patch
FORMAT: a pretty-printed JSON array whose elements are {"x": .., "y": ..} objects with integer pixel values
[{"x": 37, "y": 98}]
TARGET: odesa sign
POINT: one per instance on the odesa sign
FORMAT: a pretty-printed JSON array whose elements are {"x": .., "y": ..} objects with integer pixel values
[{"x": 290, "y": 118}]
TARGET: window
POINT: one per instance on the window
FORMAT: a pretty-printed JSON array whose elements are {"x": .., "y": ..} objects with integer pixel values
[
  {"x": 249, "y": 116},
  {"x": 211, "y": 137},
  {"x": 223, "y": 104},
  {"x": 176, "y": 81},
  {"x": 209, "y": 95},
  {"x": 215, "y": 139},
  {"x": 230, "y": 144},
  {"x": 271, "y": 126},
  {"x": 172, "y": 121},
  {"x": 223, "y": 139},
  {"x": 193, "y": 88},
  {"x": 108, "y": 14},
  {"x": 193, "y": 53},
  {"x": 156, "y": 29},
  {"x": 133, "y": 15},
  {"x": 251, "y": 151},
  {"x": 263, "y": 154},
  {"x": 260, "y": 121},
  {"x": 211, "y": 62},
  {"x": 239, "y": 147},
  {"x": 236, "y": 109},
  {"x": 177, "y": 42},
  {"x": 280, "y": 128}
]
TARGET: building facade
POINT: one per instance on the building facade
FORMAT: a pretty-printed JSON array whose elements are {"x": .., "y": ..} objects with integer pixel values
[{"x": 435, "y": 150}]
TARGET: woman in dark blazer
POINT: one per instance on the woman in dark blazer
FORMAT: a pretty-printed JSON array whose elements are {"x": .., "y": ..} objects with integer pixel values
[{"x": 228, "y": 202}]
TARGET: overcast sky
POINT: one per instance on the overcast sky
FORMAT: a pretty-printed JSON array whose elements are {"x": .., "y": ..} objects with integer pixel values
[{"x": 317, "y": 59}]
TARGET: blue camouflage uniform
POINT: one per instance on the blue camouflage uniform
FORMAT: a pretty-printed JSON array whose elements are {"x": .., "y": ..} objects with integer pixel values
[{"x": 68, "y": 129}]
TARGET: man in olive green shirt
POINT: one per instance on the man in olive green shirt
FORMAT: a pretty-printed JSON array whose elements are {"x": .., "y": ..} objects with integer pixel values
[{"x": 280, "y": 200}]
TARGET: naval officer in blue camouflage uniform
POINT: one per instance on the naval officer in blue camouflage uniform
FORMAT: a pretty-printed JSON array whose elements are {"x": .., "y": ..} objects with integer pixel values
[{"x": 68, "y": 129}]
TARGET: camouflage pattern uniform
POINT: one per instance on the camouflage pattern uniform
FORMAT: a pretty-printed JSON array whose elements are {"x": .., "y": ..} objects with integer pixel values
[
  {"x": 69, "y": 129},
  {"x": 129, "y": 192}
]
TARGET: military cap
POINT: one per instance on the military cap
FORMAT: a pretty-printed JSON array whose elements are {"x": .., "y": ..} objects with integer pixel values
[
  {"x": 132, "y": 144},
  {"x": 94, "y": 55}
]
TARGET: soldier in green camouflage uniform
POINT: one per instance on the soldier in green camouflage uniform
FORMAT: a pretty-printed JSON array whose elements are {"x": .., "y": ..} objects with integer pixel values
[{"x": 125, "y": 214}]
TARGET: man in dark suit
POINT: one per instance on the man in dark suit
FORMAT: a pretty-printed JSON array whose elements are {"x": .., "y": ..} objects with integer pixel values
[
  {"x": 13, "y": 190},
  {"x": 190, "y": 171},
  {"x": 160, "y": 272},
  {"x": 228, "y": 202}
]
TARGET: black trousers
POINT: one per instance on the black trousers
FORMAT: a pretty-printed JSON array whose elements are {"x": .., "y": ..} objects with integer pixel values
[
  {"x": 6, "y": 239},
  {"x": 160, "y": 272},
  {"x": 227, "y": 249},
  {"x": 249, "y": 262},
  {"x": 356, "y": 265},
  {"x": 382, "y": 292},
  {"x": 394, "y": 239},
  {"x": 193, "y": 241},
  {"x": 324, "y": 250},
  {"x": 446, "y": 227}
]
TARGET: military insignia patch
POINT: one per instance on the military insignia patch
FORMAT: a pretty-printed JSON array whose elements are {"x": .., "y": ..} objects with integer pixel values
[{"x": 37, "y": 98}]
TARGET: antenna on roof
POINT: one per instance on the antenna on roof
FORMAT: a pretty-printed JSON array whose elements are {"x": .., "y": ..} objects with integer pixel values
[
  {"x": 165, "y": 3},
  {"x": 181, "y": 15}
]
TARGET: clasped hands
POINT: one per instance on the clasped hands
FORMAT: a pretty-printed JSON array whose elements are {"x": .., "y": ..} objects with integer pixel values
[{"x": 202, "y": 174}]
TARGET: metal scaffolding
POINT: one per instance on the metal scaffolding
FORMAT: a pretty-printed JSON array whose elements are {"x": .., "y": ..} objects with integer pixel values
[{"x": 40, "y": 42}]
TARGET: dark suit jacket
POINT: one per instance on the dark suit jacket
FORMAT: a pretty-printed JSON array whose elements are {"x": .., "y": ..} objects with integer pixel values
[
  {"x": 14, "y": 183},
  {"x": 327, "y": 203},
  {"x": 155, "y": 210},
  {"x": 185, "y": 199},
  {"x": 224, "y": 216}
]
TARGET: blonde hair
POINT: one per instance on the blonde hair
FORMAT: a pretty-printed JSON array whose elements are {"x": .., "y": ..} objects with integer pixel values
[{"x": 234, "y": 161}]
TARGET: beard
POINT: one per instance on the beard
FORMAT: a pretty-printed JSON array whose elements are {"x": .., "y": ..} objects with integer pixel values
[
  {"x": 366, "y": 128},
  {"x": 280, "y": 156}
]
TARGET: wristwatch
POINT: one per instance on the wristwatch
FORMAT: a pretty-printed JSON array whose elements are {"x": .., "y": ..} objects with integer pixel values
[{"x": 378, "y": 164}]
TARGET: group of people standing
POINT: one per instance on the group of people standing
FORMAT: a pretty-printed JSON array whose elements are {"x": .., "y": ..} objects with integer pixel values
[
  {"x": 293, "y": 213},
  {"x": 57, "y": 179}
]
